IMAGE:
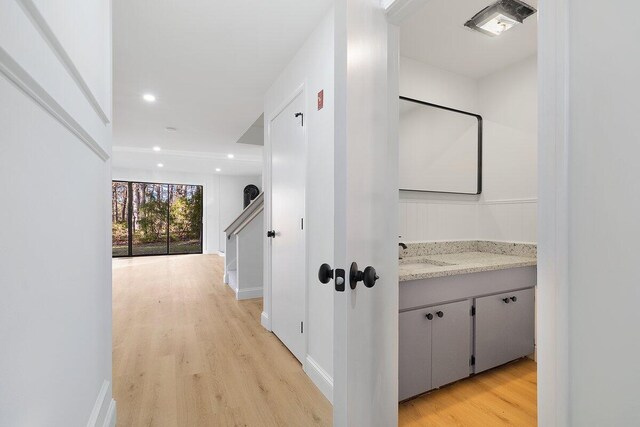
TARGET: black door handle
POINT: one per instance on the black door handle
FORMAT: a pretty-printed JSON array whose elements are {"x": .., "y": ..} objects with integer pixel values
[
  {"x": 369, "y": 276},
  {"x": 271, "y": 233}
]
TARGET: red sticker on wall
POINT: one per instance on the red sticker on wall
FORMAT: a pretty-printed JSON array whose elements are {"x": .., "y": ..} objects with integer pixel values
[{"x": 320, "y": 100}]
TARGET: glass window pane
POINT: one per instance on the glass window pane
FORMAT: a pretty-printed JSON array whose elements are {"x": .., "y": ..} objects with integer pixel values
[
  {"x": 150, "y": 216},
  {"x": 120, "y": 218},
  {"x": 185, "y": 219}
]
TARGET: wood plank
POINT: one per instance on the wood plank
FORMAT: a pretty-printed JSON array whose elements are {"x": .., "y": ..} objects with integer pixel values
[
  {"x": 504, "y": 396},
  {"x": 186, "y": 353}
]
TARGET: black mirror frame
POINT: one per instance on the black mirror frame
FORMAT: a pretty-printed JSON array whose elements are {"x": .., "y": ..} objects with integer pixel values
[{"x": 479, "y": 118}]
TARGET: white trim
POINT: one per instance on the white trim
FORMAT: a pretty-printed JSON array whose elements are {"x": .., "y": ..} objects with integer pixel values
[
  {"x": 104, "y": 408},
  {"x": 320, "y": 377},
  {"x": 553, "y": 239},
  {"x": 23, "y": 80},
  {"x": 265, "y": 321},
  {"x": 399, "y": 10},
  {"x": 43, "y": 28},
  {"x": 249, "y": 293},
  {"x": 111, "y": 418},
  {"x": 468, "y": 202}
]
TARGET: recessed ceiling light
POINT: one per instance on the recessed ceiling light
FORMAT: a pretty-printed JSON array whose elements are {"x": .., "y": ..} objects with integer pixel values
[
  {"x": 149, "y": 97},
  {"x": 160, "y": 165},
  {"x": 156, "y": 148},
  {"x": 231, "y": 156},
  {"x": 170, "y": 129},
  {"x": 500, "y": 16},
  {"x": 218, "y": 169}
]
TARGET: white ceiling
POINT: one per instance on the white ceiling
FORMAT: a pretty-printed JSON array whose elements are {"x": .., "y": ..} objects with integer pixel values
[
  {"x": 436, "y": 35},
  {"x": 209, "y": 64}
]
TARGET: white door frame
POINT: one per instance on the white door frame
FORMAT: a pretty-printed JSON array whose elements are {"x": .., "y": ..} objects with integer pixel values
[
  {"x": 265, "y": 318},
  {"x": 553, "y": 293}
]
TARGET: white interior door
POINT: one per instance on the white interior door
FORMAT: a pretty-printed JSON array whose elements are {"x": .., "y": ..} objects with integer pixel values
[
  {"x": 366, "y": 216},
  {"x": 287, "y": 206}
]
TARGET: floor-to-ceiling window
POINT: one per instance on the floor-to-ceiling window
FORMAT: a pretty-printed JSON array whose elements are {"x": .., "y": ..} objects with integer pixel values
[{"x": 156, "y": 219}]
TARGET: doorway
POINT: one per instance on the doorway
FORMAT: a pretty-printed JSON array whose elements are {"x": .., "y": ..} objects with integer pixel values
[{"x": 287, "y": 235}]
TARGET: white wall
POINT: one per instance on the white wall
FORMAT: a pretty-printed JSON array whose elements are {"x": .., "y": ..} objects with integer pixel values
[
  {"x": 55, "y": 268},
  {"x": 313, "y": 67},
  {"x": 506, "y": 209},
  {"x": 222, "y": 198},
  {"x": 508, "y": 105}
]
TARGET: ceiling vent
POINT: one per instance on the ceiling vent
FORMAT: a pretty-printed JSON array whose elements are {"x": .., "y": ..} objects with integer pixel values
[{"x": 500, "y": 16}]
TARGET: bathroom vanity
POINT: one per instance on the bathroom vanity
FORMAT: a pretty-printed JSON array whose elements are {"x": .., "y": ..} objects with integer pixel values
[{"x": 465, "y": 307}]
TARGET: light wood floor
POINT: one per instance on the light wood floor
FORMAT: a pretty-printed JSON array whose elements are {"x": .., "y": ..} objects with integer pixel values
[
  {"x": 186, "y": 353},
  {"x": 504, "y": 396}
]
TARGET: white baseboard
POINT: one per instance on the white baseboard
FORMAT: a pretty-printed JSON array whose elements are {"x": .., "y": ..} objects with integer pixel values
[
  {"x": 110, "y": 420},
  {"x": 249, "y": 293},
  {"x": 265, "y": 322},
  {"x": 320, "y": 378},
  {"x": 103, "y": 413}
]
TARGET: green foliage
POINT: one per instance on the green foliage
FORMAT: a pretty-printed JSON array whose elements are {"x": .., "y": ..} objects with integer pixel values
[
  {"x": 185, "y": 217},
  {"x": 153, "y": 220},
  {"x": 120, "y": 231}
]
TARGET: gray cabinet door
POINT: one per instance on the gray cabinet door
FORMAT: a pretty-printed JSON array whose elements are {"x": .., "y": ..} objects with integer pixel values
[
  {"x": 450, "y": 343},
  {"x": 491, "y": 332},
  {"x": 414, "y": 362},
  {"x": 521, "y": 325}
]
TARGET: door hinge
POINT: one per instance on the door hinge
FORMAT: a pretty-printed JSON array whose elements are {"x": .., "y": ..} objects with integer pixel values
[
  {"x": 301, "y": 223},
  {"x": 302, "y": 327},
  {"x": 472, "y": 361},
  {"x": 473, "y": 310}
]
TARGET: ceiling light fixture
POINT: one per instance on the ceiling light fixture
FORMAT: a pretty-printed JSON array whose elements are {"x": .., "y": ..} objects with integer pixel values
[
  {"x": 218, "y": 169},
  {"x": 500, "y": 16},
  {"x": 160, "y": 165},
  {"x": 231, "y": 156},
  {"x": 170, "y": 129},
  {"x": 149, "y": 97},
  {"x": 156, "y": 148}
]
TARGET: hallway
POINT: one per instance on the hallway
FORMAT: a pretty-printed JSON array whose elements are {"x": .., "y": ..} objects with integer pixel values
[{"x": 186, "y": 353}]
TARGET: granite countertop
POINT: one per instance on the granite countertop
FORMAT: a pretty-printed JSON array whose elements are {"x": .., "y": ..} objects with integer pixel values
[{"x": 429, "y": 260}]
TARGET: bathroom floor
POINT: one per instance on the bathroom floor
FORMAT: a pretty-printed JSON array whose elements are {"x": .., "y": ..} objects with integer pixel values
[{"x": 504, "y": 396}]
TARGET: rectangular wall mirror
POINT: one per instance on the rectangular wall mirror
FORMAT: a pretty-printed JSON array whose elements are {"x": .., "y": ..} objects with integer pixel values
[{"x": 440, "y": 148}]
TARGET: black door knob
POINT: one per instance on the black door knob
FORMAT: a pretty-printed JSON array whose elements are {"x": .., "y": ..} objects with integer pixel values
[
  {"x": 506, "y": 300},
  {"x": 271, "y": 233},
  {"x": 368, "y": 276},
  {"x": 439, "y": 314},
  {"x": 325, "y": 273},
  {"x": 429, "y": 316},
  {"x": 514, "y": 299}
]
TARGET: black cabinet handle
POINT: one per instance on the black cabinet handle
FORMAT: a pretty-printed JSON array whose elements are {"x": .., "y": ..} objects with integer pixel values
[
  {"x": 271, "y": 233},
  {"x": 439, "y": 314},
  {"x": 514, "y": 299},
  {"x": 506, "y": 300},
  {"x": 429, "y": 316}
]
